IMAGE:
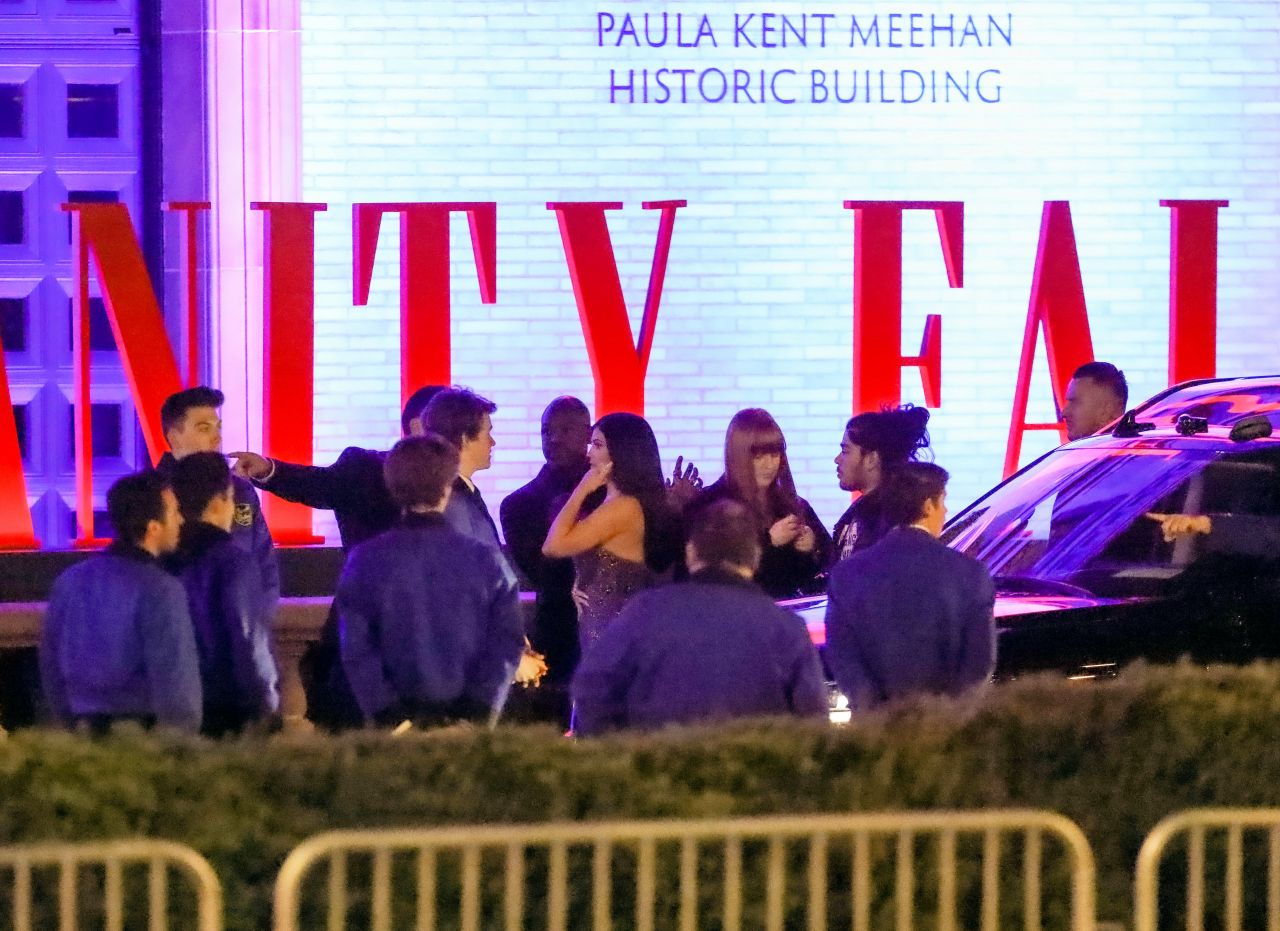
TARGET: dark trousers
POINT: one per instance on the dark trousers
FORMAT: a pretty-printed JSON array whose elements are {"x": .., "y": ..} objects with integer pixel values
[{"x": 330, "y": 702}]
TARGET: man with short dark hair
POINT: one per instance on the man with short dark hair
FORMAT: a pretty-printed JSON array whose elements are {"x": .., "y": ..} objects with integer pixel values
[
  {"x": 117, "y": 642},
  {"x": 712, "y": 648},
  {"x": 1096, "y": 396},
  {"x": 191, "y": 424},
  {"x": 463, "y": 418},
  {"x": 226, "y": 598},
  {"x": 526, "y": 516},
  {"x": 354, "y": 489},
  {"x": 908, "y": 615},
  {"x": 429, "y": 619}
]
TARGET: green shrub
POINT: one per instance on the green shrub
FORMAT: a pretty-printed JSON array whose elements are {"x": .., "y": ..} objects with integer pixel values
[{"x": 1115, "y": 757}]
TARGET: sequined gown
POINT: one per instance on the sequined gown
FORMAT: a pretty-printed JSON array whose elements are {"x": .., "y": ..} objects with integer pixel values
[{"x": 608, "y": 581}]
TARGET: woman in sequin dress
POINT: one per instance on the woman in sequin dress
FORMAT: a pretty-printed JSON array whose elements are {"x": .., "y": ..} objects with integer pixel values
[{"x": 619, "y": 546}]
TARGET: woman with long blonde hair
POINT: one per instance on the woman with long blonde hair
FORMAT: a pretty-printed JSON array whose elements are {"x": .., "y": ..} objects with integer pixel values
[{"x": 795, "y": 545}]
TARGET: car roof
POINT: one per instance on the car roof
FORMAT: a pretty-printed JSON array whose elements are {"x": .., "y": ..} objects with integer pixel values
[{"x": 1224, "y": 402}]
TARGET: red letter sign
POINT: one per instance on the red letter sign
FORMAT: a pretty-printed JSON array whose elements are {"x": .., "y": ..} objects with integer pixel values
[
  {"x": 1193, "y": 288},
  {"x": 288, "y": 290},
  {"x": 1057, "y": 304},
  {"x": 190, "y": 284},
  {"x": 618, "y": 362},
  {"x": 877, "y": 300},
  {"x": 16, "y": 531},
  {"x": 424, "y": 279},
  {"x": 105, "y": 232}
]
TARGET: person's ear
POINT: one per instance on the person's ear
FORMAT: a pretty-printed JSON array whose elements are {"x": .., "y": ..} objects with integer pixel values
[{"x": 415, "y": 426}]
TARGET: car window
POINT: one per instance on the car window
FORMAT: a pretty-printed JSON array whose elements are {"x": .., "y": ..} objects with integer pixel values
[
  {"x": 1137, "y": 559},
  {"x": 1060, "y": 513}
]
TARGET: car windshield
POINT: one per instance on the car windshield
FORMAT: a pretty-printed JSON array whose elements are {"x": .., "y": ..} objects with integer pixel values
[{"x": 1078, "y": 516}]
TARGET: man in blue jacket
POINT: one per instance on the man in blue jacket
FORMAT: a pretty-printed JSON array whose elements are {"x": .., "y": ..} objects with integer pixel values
[
  {"x": 429, "y": 622},
  {"x": 712, "y": 648},
  {"x": 909, "y": 615},
  {"x": 227, "y": 600},
  {"x": 192, "y": 425},
  {"x": 117, "y": 642}
]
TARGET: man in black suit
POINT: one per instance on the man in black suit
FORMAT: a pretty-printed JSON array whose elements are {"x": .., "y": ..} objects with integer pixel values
[
  {"x": 526, "y": 516},
  {"x": 353, "y": 487},
  {"x": 909, "y": 615},
  {"x": 355, "y": 490}
]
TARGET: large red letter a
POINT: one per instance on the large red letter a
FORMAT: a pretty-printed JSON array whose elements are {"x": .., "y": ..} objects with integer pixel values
[{"x": 1057, "y": 304}]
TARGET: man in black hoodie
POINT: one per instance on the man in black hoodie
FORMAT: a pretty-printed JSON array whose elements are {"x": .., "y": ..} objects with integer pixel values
[{"x": 227, "y": 600}]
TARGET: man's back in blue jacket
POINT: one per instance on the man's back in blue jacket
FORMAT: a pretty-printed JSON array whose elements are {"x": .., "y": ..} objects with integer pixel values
[
  {"x": 909, "y": 616},
  {"x": 715, "y": 647},
  {"x": 117, "y": 641},
  {"x": 429, "y": 623},
  {"x": 229, "y": 609}
]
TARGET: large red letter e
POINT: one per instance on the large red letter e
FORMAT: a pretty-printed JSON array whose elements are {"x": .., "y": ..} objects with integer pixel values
[{"x": 877, "y": 300}]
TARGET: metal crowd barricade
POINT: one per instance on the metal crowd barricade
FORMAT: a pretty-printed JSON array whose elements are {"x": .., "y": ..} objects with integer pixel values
[
  {"x": 1228, "y": 825},
  {"x": 573, "y": 875},
  {"x": 105, "y": 866}
]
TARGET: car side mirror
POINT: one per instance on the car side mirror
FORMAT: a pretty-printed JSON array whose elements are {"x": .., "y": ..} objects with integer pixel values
[
  {"x": 1251, "y": 428},
  {"x": 1129, "y": 426}
]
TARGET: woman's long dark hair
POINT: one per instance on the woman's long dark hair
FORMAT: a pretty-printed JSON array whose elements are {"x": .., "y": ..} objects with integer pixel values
[{"x": 637, "y": 471}]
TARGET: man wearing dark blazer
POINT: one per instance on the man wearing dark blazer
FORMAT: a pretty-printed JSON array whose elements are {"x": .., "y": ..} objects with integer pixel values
[
  {"x": 353, "y": 488},
  {"x": 526, "y": 515},
  {"x": 909, "y": 615}
]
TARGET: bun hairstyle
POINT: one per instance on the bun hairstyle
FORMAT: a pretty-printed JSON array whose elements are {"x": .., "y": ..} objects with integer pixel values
[{"x": 898, "y": 434}]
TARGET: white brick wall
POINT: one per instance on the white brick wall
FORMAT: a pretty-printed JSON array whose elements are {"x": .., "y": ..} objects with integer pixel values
[{"x": 1111, "y": 104}]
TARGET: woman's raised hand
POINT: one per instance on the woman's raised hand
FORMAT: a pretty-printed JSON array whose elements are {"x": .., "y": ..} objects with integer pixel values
[
  {"x": 595, "y": 477},
  {"x": 785, "y": 531}
]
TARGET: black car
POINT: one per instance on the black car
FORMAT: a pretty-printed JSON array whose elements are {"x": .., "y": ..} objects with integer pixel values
[{"x": 1085, "y": 580}]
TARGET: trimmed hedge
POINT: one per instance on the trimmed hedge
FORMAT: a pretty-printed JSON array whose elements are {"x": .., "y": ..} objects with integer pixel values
[{"x": 1114, "y": 756}]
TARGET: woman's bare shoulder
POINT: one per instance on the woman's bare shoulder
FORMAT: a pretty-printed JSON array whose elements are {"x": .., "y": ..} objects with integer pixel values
[{"x": 621, "y": 506}]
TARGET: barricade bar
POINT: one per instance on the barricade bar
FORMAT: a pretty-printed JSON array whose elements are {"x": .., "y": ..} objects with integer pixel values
[
  {"x": 158, "y": 857},
  {"x": 566, "y": 856},
  {"x": 1197, "y": 825}
]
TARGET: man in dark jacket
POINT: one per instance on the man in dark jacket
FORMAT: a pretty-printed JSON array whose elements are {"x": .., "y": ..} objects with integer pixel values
[
  {"x": 117, "y": 642},
  {"x": 191, "y": 425},
  {"x": 463, "y": 418},
  {"x": 227, "y": 600},
  {"x": 428, "y": 619},
  {"x": 908, "y": 615},
  {"x": 526, "y": 516},
  {"x": 712, "y": 648},
  {"x": 354, "y": 489}
]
